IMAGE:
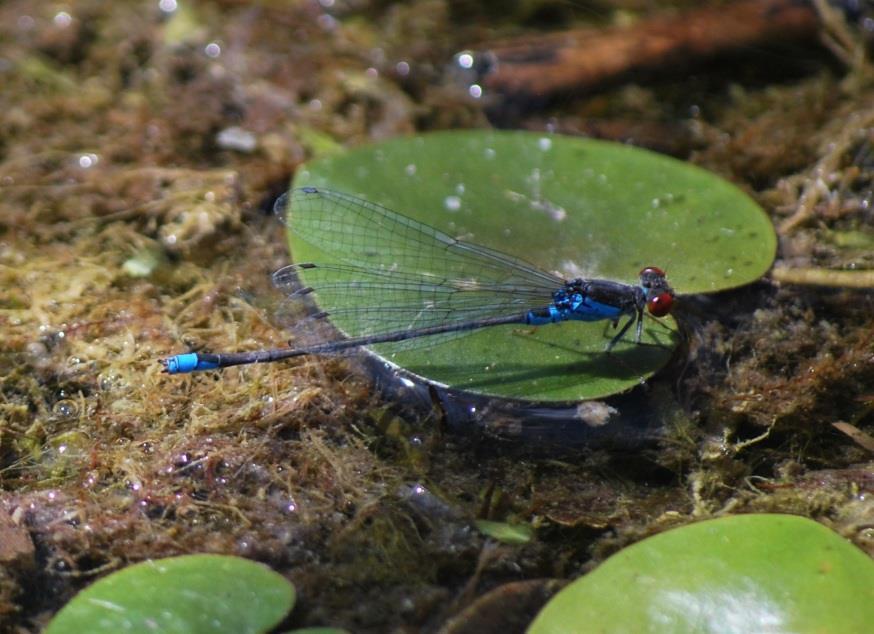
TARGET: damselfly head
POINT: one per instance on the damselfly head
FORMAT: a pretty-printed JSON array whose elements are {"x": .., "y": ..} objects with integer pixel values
[
  {"x": 651, "y": 272},
  {"x": 659, "y": 294}
]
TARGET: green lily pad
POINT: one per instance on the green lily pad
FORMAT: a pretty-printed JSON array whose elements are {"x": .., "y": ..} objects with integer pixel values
[
  {"x": 180, "y": 595},
  {"x": 744, "y": 573},
  {"x": 578, "y": 207}
]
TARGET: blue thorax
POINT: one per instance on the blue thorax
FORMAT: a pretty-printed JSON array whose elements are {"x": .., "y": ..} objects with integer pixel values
[{"x": 572, "y": 303}]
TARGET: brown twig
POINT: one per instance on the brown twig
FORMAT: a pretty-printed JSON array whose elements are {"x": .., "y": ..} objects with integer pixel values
[
  {"x": 823, "y": 277},
  {"x": 584, "y": 59}
]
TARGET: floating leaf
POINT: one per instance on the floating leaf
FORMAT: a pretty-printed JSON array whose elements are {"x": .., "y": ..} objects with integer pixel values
[
  {"x": 579, "y": 207},
  {"x": 744, "y": 573},
  {"x": 180, "y": 595}
]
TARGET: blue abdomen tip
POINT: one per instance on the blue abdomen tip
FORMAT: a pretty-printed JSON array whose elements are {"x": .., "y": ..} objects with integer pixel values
[{"x": 182, "y": 363}]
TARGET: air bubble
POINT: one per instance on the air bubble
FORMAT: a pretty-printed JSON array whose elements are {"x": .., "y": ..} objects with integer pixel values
[
  {"x": 465, "y": 59},
  {"x": 62, "y": 19},
  {"x": 65, "y": 408},
  {"x": 87, "y": 161}
]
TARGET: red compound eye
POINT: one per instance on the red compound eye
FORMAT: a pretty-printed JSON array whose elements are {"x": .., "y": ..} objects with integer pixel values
[
  {"x": 652, "y": 270},
  {"x": 661, "y": 304}
]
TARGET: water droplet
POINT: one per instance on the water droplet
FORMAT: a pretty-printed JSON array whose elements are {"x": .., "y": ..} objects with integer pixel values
[
  {"x": 475, "y": 91},
  {"x": 212, "y": 50},
  {"x": 402, "y": 69},
  {"x": 37, "y": 350},
  {"x": 465, "y": 59},
  {"x": 410, "y": 170},
  {"x": 459, "y": 189},
  {"x": 65, "y": 408},
  {"x": 452, "y": 203},
  {"x": 167, "y": 6},
  {"x": 88, "y": 160},
  {"x": 62, "y": 19},
  {"x": 544, "y": 143},
  {"x": 109, "y": 381}
]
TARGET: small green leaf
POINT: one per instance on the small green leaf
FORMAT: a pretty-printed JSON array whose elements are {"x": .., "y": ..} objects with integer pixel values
[
  {"x": 180, "y": 595},
  {"x": 744, "y": 573},
  {"x": 579, "y": 207},
  {"x": 506, "y": 533}
]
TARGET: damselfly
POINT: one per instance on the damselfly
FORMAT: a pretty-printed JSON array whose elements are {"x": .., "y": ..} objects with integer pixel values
[{"x": 391, "y": 279}]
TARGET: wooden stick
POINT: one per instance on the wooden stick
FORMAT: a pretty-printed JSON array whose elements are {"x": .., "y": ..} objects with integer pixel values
[
  {"x": 823, "y": 277},
  {"x": 580, "y": 60}
]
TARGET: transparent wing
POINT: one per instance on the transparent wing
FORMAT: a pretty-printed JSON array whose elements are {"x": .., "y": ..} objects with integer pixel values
[
  {"x": 359, "y": 232},
  {"x": 390, "y": 273},
  {"x": 368, "y": 303}
]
